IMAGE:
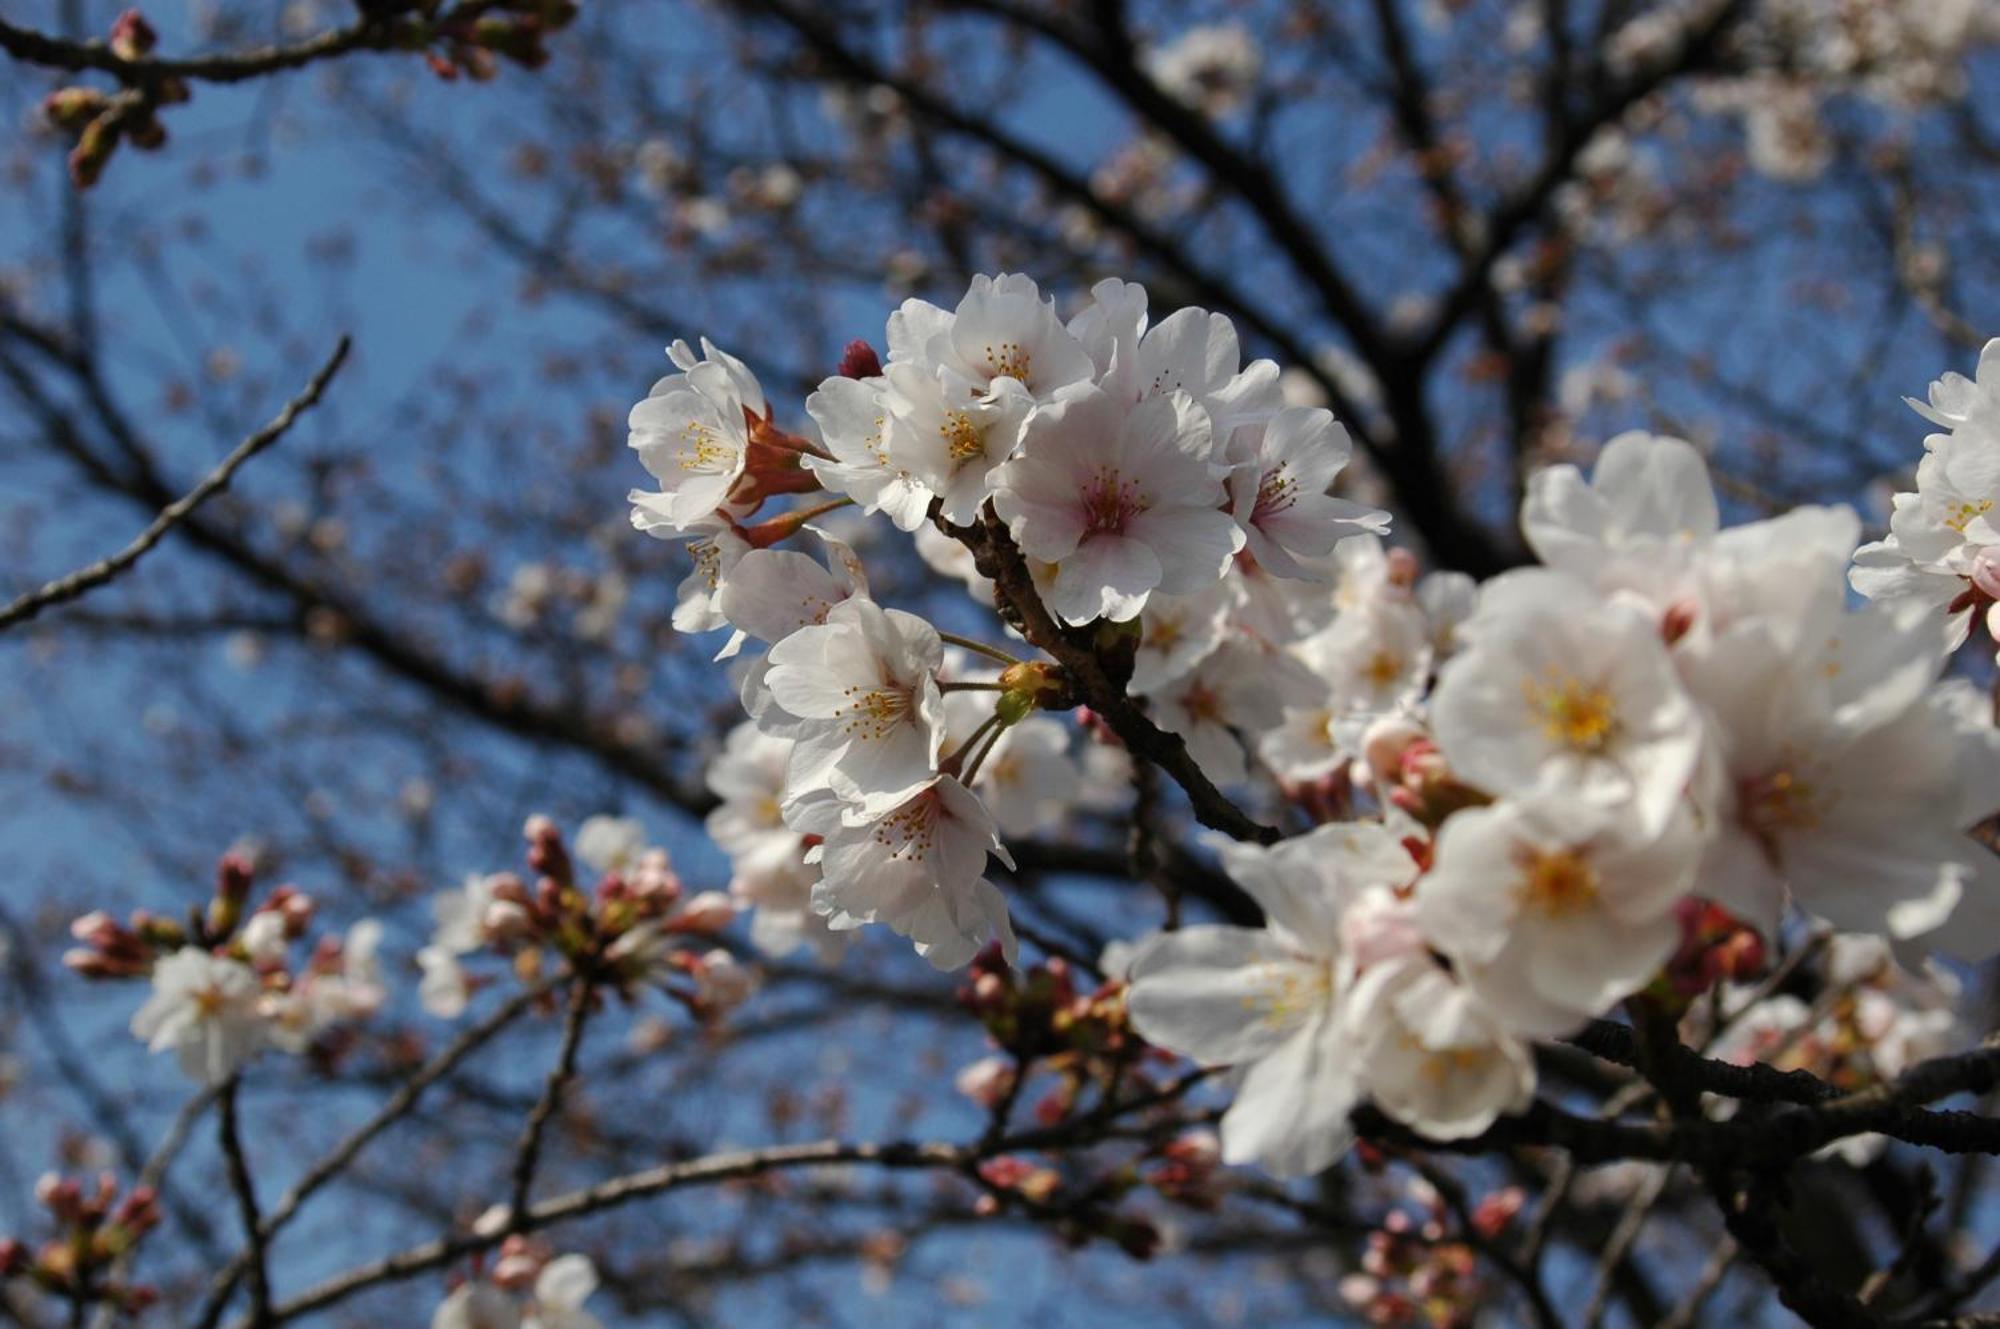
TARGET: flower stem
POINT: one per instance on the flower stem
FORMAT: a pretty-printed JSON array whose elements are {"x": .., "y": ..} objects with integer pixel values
[
  {"x": 979, "y": 758},
  {"x": 951, "y": 765},
  {"x": 980, "y": 647}
]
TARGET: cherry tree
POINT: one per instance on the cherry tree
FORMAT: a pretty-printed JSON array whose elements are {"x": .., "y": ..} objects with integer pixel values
[{"x": 1234, "y": 634}]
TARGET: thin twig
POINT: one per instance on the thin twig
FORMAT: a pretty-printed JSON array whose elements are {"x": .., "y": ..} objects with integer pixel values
[
  {"x": 582, "y": 992},
  {"x": 343, "y": 1154},
  {"x": 84, "y": 580}
]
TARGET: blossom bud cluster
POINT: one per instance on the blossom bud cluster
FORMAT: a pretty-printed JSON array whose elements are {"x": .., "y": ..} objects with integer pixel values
[
  {"x": 1075, "y": 1039},
  {"x": 95, "y": 1227},
  {"x": 1415, "y": 1270},
  {"x": 226, "y": 984},
  {"x": 630, "y": 926}
]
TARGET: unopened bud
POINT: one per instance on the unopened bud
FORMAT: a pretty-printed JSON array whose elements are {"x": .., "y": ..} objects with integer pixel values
[
  {"x": 709, "y": 911},
  {"x": 73, "y": 108},
  {"x": 859, "y": 361},
  {"x": 93, "y": 150},
  {"x": 1403, "y": 568},
  {"x": 1678, "y": 621},
  {"x": 723, "y": 984},
  {"x": 986, "y": 1081},
  {"x": 1384, "y": 743},
  {"x": 132, "y": 37},
  {"x": 234, "y": 876},
  {"x": 1986, "y": 572}
]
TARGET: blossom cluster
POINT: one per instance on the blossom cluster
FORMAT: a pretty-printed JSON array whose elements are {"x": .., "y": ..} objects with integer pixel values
[
  {"x": 225, "y": 984},
  {"x": 1603, "y": 778},
  {"x": 1142, "y": 470},
  {"x": 1942, "y": 551},
  {"x": 1665, "y": 710}
]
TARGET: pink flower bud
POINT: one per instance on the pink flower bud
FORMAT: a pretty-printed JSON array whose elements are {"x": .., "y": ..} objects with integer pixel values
[
  {"x": 505, "y": 922},
  {"x": 1679, "y": 620},
  {"x": 710, "y": 911},
  {"x": 95, "y": 928},
  {"x": 859, "y": 360},
  {"x": 1403, "y": 568},
  {"x": 132, "y": 37},
  {"x": 1986, "y": 572},
  {"x": 986, "y": 1081},
  {"x": 234, "y": 876},
  {"x": 1384, "y": 743},
  {"x": 721, "y": 983}
]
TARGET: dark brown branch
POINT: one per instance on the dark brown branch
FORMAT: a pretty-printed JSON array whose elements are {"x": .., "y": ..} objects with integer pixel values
[{"x": 241, "y": 1185}]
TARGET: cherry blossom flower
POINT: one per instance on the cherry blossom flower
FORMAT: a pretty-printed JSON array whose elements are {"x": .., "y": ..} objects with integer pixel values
[
  {"x": 748, "y": 776},
  {"x": 1271, "y": 1001},
  {"x": 1562, "y": 692},
  {"x": 772, "y": 593},
  {"x": 1176, "y": 632},
  {"x": 1431, "y": 1053},
  {"x": 343, "y": 983},
  {"x": 1372, "y": 662},
  {"x": 1554, "y": 911},
  {"x": 1642, "y": 513},
  {"x": 1212, "y": 67},
  {"x": 853, "y": 417},
  {"x": 610, "y": 844},
  {"x": 206, "y": 1008},
  {"x": 1278, "y": 480},
  {"x": 1845, "y": 775},
  {"x": 561, "y": 1288},
  {"x": 949, "y": 443},
  {"x": 714, "y": 544},
  {"x": 918, "y": 869},
  {"x": 1125, "y": 501},
  {"x": 1191, "y": 351},
  {"x": 1003, "y": 329},
  {"x": 692, "y": 434},
  {"x": 445, "y": 988},
  {"x": 1955, "y": 401},
  {"x": 1028, "y": 782},
  {"x": 1208, "y": 706},
  {"x": 863, "y": 687}
]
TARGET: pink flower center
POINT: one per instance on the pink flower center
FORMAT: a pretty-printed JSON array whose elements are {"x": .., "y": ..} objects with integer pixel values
[
  {"x": 1275, "y": 493},
  {"x": 1110, "y": 502}
]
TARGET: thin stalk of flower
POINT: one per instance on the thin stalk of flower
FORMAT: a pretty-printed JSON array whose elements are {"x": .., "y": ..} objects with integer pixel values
[
  {"x": 978, "y": 647},
  {"x": 986, "y": 750},
  {"x": 971, "y": 687},
  {"x": 951, "y": 765}
]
